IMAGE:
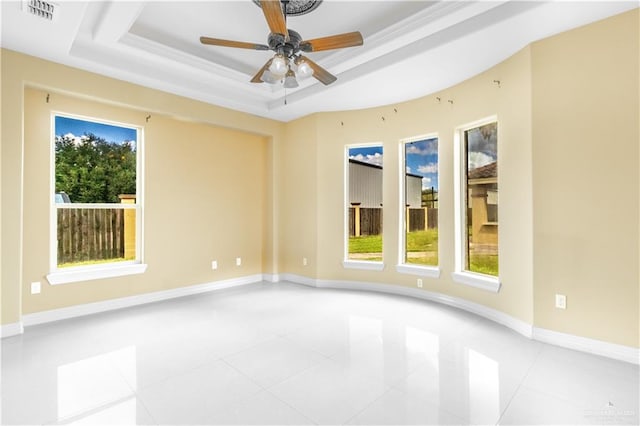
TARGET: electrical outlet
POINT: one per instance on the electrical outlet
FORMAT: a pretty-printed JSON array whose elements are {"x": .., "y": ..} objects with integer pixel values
[
  {"x": 238, "y": 261},
  {"x": 304, "y": 261},
  {"x": 36, "y": 287},
  {"x": 419, "y": 283},
  {"x": 214, "y": 265},
  {"x": 561, "y": 301}
]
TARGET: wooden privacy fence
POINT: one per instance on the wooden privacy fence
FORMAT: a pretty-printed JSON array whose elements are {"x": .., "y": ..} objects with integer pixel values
[
  {"x": 86, "y": 234},
  {"x": 417, "y": 216},
  {"x": 432, "y": 216},
  {"x": 370, "y": 221},
  {"x": 415, "y": 220}
]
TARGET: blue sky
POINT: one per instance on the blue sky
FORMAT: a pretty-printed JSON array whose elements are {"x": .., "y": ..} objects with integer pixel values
[
  {"x": 421, "y": 159},
  {"x": 369, "y": 154},
  {"x": 110, "y": 133}
]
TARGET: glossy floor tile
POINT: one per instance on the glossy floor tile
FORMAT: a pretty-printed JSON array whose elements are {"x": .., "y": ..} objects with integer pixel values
[{"x": 286, "y": 354}]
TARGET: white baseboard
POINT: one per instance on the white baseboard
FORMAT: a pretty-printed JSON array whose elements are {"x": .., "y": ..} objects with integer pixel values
[
  {"x": 598, "y": 347},
  {"x": 124, "y": 302},
  {"x": 483, "y": 311},
  {"x": 569, "y": 341},
  {"x": 272, "y": 278},
  {"x": 585, "y": 344},
  {"x": 299, "y": 279},
  {"x": 13, "y": 329}
]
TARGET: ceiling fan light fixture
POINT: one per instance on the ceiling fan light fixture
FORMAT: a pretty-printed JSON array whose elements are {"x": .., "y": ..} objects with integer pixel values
[
  {"x": 288, "y": 64},
  {"x": 268, "y": 77},
  {"x": 278, "y": 65},
  {"x": 290, "y": 81},
  {"x": 303, "y": 70}
]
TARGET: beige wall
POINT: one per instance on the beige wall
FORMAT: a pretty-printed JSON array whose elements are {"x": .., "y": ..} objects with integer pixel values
[
  {"x": 2, "y": 315},
  {"x": 190, "y": 148},
  {"x": 586, "y": 138},
  {"x": 472, "y": 100},
  {"x": 298, "y": 209},
  {"x": 566, "y": 106},
  {"x": 203, "y": 200},
  {"x": 11, "y": 194}
]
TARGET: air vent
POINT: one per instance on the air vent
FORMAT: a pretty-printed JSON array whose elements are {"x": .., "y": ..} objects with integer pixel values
[{"x": 42, "y": 9}]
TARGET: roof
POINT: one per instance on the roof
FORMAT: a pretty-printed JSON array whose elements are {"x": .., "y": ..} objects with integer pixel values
[
  {"x": 487, "y": 171},
  {"x": 363, "y": 163},
  {"x": 376, "y": 166}
]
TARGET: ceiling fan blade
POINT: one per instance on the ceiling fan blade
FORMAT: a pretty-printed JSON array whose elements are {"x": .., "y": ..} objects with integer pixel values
[
  {"x": 332, "y": 42},
  {"x": 322, "y": 75},
  {"x": 256, "y": 78},
  {"x": 231, "y": 43},
  {"x": 272, "y": 10}
]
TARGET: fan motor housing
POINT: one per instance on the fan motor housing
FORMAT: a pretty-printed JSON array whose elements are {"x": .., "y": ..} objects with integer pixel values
[{"x": 278, "y": 43}]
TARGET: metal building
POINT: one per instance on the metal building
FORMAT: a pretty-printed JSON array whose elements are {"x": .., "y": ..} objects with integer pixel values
[{"x": 365, "y": 185}]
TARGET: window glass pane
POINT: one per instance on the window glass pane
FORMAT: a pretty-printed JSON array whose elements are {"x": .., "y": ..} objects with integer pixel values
[
  {"x": 95, "y": 164},
  {"x": 365, "y": 203},
  {"x": 88, "y": 236},
  {"x": 421, "y": 202},
  {"x": 481, "y": 148}
]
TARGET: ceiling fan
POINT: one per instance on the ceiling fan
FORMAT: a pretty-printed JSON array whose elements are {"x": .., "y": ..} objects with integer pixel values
[{"x": 288, "y": 61}]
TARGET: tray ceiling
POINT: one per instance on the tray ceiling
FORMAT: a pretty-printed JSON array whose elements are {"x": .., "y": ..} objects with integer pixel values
[{"x": 411, "y": 48}]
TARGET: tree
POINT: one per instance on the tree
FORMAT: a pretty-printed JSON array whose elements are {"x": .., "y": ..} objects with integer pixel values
[{"x": 92, "y": 170}]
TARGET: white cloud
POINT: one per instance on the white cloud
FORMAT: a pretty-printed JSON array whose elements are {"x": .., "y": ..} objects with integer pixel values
[
  {"x": 369, "y": 158},
  {"x": 479, "y": 159},
  {"x": 426, "y": 183},
  {"x": 77, "y": 140},
  {"x": 408, "y": 169},
  {"x": 428, "y": 168},
  {"x": 429, "y": 147}
]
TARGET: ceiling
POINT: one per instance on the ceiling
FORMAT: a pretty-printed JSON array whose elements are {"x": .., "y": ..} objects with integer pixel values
[{"x": 411, "y": 48}]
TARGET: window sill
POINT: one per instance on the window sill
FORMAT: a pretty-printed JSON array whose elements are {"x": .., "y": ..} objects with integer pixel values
[
  {"x": 95, "y": 273},
  {"x": 363, "y": 264},
  {"x": 483, "y": 282},
  {"x": 423, "y": 271}
]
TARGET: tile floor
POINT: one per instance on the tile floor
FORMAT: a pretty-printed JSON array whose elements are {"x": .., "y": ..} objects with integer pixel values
[{"x": 288, "y": 354}]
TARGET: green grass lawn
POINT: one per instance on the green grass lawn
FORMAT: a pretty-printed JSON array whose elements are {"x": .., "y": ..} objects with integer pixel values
[
  {"x": 423, "y": 245},
  {"x": 366, "y": 244},
  {"x": 422, "y": 249},
  {"x": 370, "y": 245},
  {"x": 484, "y": 264}
]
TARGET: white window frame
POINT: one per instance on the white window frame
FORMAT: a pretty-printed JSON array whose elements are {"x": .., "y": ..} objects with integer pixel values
[
  {"x": 104, "y": 270},
  {"x": 460, "y": 274},
  {"x": 403, "y": 267},
  {"x": 368, "y": 265}
]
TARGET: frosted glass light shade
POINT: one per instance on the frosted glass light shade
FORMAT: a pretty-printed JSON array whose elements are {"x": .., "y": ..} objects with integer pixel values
[
  {"x": 290, "y": 80},
  {"x": 268, "y": 77},
  {"x": 278, "y": 65},
  {"x": 304, "y": 70}
]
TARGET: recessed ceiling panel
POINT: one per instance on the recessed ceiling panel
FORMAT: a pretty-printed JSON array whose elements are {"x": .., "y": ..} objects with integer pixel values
[{"x": 411, "y": 48}]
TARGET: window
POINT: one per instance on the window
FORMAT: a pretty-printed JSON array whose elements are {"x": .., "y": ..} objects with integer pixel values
[
  {"x": 477, "y": 230},
  {"x": 419, "y": 206},
  {"x": 364, "y": 207},
  {"x": 96, "y": 215}
]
